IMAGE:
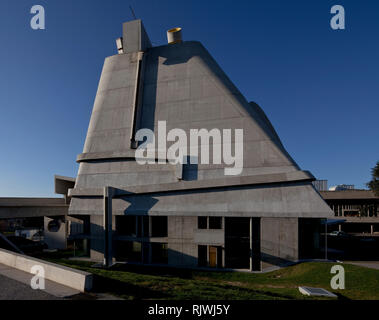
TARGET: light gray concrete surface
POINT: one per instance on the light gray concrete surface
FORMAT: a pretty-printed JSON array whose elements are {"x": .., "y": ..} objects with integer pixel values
[
  {"x": 186, "y": 87},
  {"x": 293, "y": 200},
  {"x": 279, "y": 238},
  {"x": 12, "y": 208},
  {"x": 75, "y": 279},
  {"x": 135, "y": 37},
  {"x": 55, "y": 239}
]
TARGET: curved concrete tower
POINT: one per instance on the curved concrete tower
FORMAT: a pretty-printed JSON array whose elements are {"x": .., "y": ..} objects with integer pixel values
[{"x": 190, "y": 214}]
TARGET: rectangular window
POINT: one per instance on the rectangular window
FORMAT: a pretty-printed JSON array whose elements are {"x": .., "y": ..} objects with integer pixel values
[
  {"x": 130, "y": 251},
  {"x": 215, "y": 222},
  {"x": 159, "y": 226},
  {"x": 159, "y": 253},
  {"x": 126, "y": 226},
  {"x": 202, "y": 222}
]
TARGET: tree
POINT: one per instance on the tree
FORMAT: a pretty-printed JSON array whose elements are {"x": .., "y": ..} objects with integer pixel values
[{"x": 374, "y": 183}]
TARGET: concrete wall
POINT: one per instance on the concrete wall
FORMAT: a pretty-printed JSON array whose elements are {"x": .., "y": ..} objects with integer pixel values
[
  {"x": 55, "y": 239},
  {"x": 72, "y": 278},
  {"x": 97, "y": 237},
  {"x": 182, "y": 251},
  {"x": 275, "y": 200},
  {"x": 185, "y": 86},
  {"x": 279, "y": 240}
]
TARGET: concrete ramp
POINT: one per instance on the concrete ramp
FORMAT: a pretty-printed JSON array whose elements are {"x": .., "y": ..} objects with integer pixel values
[
  {"x": 52, "y": 288},
  {"x": 71, "y": 278}
]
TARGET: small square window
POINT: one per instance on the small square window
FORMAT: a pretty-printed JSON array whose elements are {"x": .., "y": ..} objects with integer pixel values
[
  {"x": 202, "y": 223},
  {"x": 215, "y": 222}
]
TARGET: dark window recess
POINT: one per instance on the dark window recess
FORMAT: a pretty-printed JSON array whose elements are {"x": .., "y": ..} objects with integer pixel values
[
  {"x": 237, "y": 243},
  {"x": 86, "y": 224},
  {"x": 126, "y": 226},
  {"x": 215, "y": 222},
  {"x": 159, "y": 226},
  {"x": 132, "y": 226},
  {"x": 202, "y": 223},
  {"x": 159, "y": 253},
  {"x": 146, "y": 250},
  {"x": 130, "y": 251},
  {"x": 145, "y": 226},
  {"x": 202, "y": 256}
]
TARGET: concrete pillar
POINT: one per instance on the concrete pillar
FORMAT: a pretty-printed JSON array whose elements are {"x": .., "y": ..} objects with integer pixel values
[
  {"x": 251, "y": 244},
  {"x": 107, "y": 223},
  {"x": 137, "y": 225},
  {"x": 223, "y": 247},
  {"x": 142, "y": 242},
  {"x": 150, "y": 254},
  {"x": 340, "y": 227},
  {"x": 150, "y": 227},
  {"x": 85, "y": 246}
]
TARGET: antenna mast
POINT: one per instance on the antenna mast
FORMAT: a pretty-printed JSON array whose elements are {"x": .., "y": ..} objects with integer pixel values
[{"x": 133, "y": 14}]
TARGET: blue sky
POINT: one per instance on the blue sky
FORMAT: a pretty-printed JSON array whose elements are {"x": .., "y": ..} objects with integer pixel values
[{"x": 319, "y": 87}]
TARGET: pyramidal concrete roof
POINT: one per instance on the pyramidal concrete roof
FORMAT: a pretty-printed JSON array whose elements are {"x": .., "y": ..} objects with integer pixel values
[{"x": 183, "y": 85}]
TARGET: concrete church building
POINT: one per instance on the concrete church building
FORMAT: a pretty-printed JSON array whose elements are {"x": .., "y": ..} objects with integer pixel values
[{"x": 190, "y": 215}]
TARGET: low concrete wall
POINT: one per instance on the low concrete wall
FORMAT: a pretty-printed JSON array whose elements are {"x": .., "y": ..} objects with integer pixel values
[{"x": 72, "y": 278}]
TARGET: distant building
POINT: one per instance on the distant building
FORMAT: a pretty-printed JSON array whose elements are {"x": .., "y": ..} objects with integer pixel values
[
  {"x": 341, "y": 187},
  {"x": 320, "y": 185},
  {"x": 357, "y": 209}
]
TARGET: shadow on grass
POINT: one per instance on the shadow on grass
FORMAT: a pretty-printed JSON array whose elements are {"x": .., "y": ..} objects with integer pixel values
[
  {"x": 103, "y": 284},
  {"x": 248, "y": 293},
  {"x": 341, "y": 297},
  {"x": 155, "y": 270}
]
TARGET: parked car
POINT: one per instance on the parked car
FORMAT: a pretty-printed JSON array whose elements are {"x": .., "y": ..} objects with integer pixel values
[{"x": 341, "y": 234}]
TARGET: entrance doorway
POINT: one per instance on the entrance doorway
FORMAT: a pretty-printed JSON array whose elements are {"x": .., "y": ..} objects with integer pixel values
[
  {"x": 212, "y": 257},
  {"x": 242, "y": 243}
]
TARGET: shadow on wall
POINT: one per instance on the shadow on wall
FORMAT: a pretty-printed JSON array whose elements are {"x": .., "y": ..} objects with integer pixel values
[
  {"x": 139, "y": 204},
  {"x": 139, "y": 250}
]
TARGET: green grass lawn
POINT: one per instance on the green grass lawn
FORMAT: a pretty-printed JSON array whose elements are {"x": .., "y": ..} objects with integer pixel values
[{"x": 139, "y": 282}]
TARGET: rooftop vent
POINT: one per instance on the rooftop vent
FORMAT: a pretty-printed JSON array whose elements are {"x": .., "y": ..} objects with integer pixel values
[
  {"x": 174, "y": 35},
  {"x": 119, "y": 45}
]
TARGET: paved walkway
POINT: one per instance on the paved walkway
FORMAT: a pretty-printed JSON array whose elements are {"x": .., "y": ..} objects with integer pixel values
[
  {"x": 367, "y": 264},
  {"x": 15, "y": 285},
  {"x": 14, "y": 290}
]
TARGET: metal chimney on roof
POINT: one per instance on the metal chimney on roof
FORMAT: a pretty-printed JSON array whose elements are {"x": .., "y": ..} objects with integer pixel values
[{"x": 174, "y": 35}]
